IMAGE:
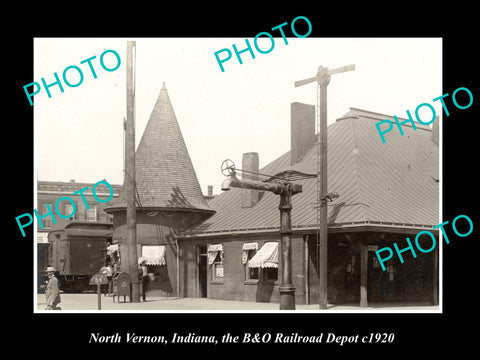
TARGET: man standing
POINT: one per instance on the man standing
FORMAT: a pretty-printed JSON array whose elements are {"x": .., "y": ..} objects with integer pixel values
[
  {"x": 108, "y": 271},
  {"x": 52, "y": 291},
  {"x": 143, "y": 275}
]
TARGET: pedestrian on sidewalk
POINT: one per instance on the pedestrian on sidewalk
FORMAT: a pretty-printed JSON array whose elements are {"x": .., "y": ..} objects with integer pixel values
[
  {"x": 52, "y": 292},
  {"x": 143, "y": 275},
  {"x": 107, "y": 270}
]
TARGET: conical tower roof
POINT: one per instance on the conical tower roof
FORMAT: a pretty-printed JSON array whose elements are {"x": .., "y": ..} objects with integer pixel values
[{"x": 165, "y": 177}]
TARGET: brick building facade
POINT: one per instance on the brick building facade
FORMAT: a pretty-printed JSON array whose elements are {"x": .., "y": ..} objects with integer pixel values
[
  {"x": 48, "y": 192},
  {"x": 228, "y": 248},
  {"x": 387, "y": 192}
]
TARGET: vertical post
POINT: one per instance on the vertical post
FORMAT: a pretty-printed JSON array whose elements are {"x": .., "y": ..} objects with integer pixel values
[
  {"x": 177, "y": 255},
  {"x": 286, "y": 288},
  {"x": 306, "y": 270},
  {"x": 363, "y": 274},
  {"x": 323, "y": 81},
  {"x": 99, "y": 296},
  {"x": 130, "y": 174},
  {"x": 435, "y": 276}
]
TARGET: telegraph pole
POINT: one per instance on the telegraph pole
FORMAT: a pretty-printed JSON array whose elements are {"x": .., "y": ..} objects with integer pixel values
[
  {"x": 323, "y": 79},
  {"x": 130, "y": 174}
]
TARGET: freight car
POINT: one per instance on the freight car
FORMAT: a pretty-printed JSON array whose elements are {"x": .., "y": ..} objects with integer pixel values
[{"x": 77, "y": 250}]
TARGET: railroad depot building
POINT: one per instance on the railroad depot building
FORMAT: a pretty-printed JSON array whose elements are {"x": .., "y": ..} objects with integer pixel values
[
  {"x": 387, "y": 192},
  {"x": 227, "y": 247}
]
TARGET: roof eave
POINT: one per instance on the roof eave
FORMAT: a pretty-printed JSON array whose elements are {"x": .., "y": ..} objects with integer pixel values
[
  {"x": 118, "y": 208},
  {"x": 334, "y": 228}
]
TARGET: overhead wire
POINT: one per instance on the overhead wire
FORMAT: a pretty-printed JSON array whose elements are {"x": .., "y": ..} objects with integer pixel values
[{"x": 288, "y": 175}]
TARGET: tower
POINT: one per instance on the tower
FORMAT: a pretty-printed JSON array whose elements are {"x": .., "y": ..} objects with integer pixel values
[{"x": 168, "y": 196}]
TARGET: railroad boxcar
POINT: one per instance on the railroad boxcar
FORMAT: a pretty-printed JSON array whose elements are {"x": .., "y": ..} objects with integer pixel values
[{"x": 77, "y": 250}]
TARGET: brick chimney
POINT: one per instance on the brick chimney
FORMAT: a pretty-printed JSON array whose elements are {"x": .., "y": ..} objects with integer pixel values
[
  {"x": 250, "y": 163},
  {"x": 435, "y": 130},
  {"x": 302, "y": 130}
]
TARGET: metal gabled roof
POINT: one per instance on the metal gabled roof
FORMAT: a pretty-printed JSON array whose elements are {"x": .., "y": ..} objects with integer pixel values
[{"x": 379, "y": 183}]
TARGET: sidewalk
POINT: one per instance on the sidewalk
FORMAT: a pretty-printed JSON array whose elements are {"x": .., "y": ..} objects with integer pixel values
[{"x": 89, "y": 302}]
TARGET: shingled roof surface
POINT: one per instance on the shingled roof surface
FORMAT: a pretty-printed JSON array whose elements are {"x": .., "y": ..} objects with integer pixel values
[
  {"x": 393, "y": 183},
  {"x": 165, "y": 177}
]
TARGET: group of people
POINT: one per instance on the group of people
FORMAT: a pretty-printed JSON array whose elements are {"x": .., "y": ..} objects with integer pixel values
[
  {"x": 110, "y": 267},
  {"x": 109, "y": 271},
  {"x": 52, "y": 291}
]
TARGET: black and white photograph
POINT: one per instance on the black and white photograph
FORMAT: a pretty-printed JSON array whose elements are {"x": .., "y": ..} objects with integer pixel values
[
  {"x": 230, "y": 205},
  {"x": 272, "y": 188}
]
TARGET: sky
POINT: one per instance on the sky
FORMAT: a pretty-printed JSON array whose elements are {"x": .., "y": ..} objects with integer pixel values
[{"x": 79, "y": 133}]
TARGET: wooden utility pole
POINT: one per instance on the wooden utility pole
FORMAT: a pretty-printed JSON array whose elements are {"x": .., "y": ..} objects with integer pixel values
[
  {"x": 286, "y": 190},
  {"x": 323, "y": 79},
  {"x": 130, "y": 174}
]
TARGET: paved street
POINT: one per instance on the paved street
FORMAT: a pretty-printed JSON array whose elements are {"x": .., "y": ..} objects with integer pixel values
[{"x": 89, "y": 302}]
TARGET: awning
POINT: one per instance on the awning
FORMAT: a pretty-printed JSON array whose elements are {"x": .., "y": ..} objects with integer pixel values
[
  {"x": 266, "y": 257},
  {"x": 215, "y": 247},
  {"x": 42, "y": 237},
  {"x": 246, "y": 248},
  {"x": 112, "y": 248},
  {"x": 154, "y": 254},
  {"x": 213, "y": 251},
  {"x": 250, "y": 246}
]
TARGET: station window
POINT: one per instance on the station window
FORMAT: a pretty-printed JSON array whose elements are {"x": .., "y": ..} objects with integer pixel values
[
  {"x": 250, "y": 273},
  {"x": 217, "y": 267},
  {"x": 215, "y": 260},
  {"x": 270, "y": 273}
]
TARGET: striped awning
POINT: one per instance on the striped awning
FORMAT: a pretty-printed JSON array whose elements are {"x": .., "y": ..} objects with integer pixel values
[
  {"x": 266, "y": 257},
  {"x": 250, "y": 246},
  {"x": 154, "y": 254},
  {"x": 215, "y": 247},
  {"x": 212, "y": 252}
]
